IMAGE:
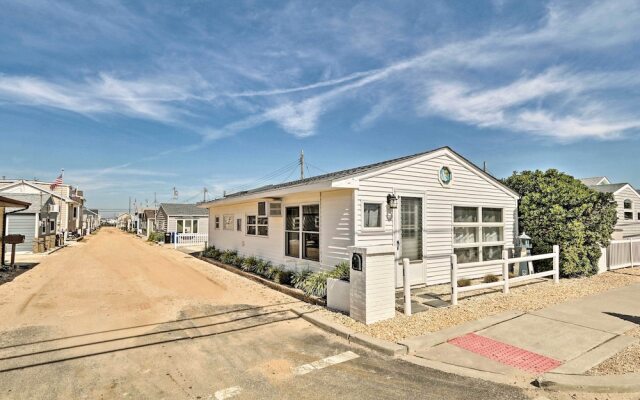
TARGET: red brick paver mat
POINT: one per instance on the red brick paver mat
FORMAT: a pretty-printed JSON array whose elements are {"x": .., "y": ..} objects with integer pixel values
[{"x": 506, "y": 354}]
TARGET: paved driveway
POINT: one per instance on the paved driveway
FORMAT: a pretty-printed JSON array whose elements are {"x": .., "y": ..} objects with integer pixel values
[{"x": 115, "y": 317}]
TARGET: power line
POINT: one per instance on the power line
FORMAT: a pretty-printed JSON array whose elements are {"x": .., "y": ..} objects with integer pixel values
[{"x": 270, "y": 176}]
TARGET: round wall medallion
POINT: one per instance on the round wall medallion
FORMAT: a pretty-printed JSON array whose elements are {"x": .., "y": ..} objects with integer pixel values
[{"x": 445, "y": 175}]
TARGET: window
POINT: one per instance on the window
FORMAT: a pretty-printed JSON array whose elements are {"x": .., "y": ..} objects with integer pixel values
[
  {"x": 75, "y": 212},
  {"x": 217, "y": 221},
  {"x": 628, "y": 215},
  {"x": 262, "y": 209},
  {"x": 187, "y": 226},
  {"x": 302, "y": 235},
  {"x": 227, "y": 222},
  {"x": 628, "y": 204},
  {"x": 52, "y": 225},
  {"x": 478, "y": 234},
  {"x": 257, "y": 225},
  {"x": 239, "y": 224},
  {"x": 44, "y": 226},
  {"x": 372, "y": 215}
]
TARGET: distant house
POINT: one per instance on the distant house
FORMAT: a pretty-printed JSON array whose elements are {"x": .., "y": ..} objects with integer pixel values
[
  {"x": 90, "y": 220},
  {"x": 426, "y": 206},
  {"x": 182, "y": 218},
  {"x": 145, "y": 221},
  {"x": 37, "y": 223},
  {"x": 11, "y": 205},
  {"x": 628, "y": 204},
  {"x": 124, "y": 222}
]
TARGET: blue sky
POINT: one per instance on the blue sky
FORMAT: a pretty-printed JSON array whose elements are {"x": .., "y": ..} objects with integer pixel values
[{"x": 136, "y": 98}]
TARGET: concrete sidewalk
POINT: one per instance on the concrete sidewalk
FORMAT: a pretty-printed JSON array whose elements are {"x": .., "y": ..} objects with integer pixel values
[{"x": 569, "y": 338}]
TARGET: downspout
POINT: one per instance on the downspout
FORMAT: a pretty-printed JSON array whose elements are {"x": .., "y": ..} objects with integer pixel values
[{"x": 4, "y": 227}]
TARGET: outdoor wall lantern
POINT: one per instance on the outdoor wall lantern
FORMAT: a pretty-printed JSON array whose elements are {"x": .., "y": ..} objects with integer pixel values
[
  {"x": 392, "y": 201},
  {"x": 524, "y": 241}
]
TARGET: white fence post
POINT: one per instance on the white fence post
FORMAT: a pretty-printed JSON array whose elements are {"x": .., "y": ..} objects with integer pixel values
[
  {"x": 454, "y": 279},
  {"x": 407, "y": 287},
  {"x": 505, "y": 271},
  {"x": 630, "y": 253},
  {"x": 556, "y": 263},
  {"x": 175, "y": 241}
]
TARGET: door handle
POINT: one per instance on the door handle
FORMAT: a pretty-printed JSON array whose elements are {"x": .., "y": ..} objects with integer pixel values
[{"x": 397, "y": 245}]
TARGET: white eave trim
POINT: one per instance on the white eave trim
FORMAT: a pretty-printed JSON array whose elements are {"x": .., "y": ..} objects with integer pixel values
[{"x": 628, "y": 185}]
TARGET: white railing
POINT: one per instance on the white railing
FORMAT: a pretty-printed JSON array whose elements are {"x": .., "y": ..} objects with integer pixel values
[
  {"x": 190, "y": 239},
  {"x": 623, "y": 253},
  {"x": 505, "y": 281}
]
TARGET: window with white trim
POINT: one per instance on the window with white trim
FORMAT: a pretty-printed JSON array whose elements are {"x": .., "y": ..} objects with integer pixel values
[
  {"x": 239, "y": 224},
  {"x": 302, "y": 235},
  {"x": 478, "y": 234},
  {"x": 628, "y": 209},
  {"x": 187, "y": 226},
  {"x": 52, "y": 226},
  {"x": 217, "y": 221},
  {"x": 257, "y": 226},
  {"x": 371, "y": 215}
]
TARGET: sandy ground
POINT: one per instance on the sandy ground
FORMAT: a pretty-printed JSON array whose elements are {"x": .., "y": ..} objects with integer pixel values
[{"x": 96, "y": 285}]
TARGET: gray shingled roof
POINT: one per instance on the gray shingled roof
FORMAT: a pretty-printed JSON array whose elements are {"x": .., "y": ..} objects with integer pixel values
[
  {"x": 35, "y": 199},
  {"x": 173, "y": 209},
  {"x": 592, "y": 181},
  {"x": 353, "y": 171},
  {"x": 610, "y": 188}
]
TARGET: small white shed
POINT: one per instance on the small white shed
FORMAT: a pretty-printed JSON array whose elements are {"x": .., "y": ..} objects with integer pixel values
[{"x": 427, "y": 206}]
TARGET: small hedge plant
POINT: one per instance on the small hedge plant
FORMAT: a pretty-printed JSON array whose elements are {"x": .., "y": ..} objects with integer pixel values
[
  {"x": 156, "y": 237},
  {"x": 464, "y": 282},
  {"x": 490, "y": 278},
  {"x": 312, "y": 283}
]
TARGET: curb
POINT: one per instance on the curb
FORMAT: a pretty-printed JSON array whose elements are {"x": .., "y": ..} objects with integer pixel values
[
  {"x": 295, "y": 293},
  {"x": 378, "y": 345},
  {"x": 628, "y": 383}
]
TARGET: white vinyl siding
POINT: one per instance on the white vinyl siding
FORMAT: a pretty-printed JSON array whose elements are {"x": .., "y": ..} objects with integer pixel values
[
  {"x": 468, "y": 188},
  {"x": 336, "y": 233},
  {"x": 628, "y": 220}
]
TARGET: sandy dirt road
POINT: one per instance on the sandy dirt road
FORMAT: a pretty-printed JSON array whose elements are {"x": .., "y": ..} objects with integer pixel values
[{"x": 115, "y": 317}]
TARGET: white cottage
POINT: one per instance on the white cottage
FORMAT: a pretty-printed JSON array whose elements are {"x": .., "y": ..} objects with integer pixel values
[{"x": 428, "y": 206}]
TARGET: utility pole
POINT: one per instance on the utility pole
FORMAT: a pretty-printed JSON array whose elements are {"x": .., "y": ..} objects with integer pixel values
[
  {"x": 129, "y": 205},
  {"x": 204, "y": 194},
  {"x": 301, "y": 164},
  {"x": 175, "y": 193},
  {"x": 484, "y": 166},
  {"x": 155, "y": 201}
]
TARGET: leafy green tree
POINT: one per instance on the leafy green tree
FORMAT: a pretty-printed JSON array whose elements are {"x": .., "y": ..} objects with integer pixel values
[{"x": 556, "y": 208}]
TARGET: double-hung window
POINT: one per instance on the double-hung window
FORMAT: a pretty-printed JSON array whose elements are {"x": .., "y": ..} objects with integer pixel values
[
  {"x": 258, "y": 225},
  {"x": 628, "y": 210},
  {"x": 478, "y": 234},
  {"x": 302, "y": 232},
  {"x": 371, "y": 215},
  {"x": 217, "y": 221}
]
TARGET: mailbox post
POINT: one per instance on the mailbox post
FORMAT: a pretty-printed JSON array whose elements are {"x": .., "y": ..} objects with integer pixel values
[
  {"x": 13, "y": 240},
  {"x": 372, "y": 283}
]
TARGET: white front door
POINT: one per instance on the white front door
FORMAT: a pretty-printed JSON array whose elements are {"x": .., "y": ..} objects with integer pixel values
[{"x": 409, "y": 238}]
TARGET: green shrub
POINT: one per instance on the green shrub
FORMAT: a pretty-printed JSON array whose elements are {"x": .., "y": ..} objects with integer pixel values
[
  {"x": 272, "y": 271},
  {"x": 299, "y": 277},
  {"x": 262, "y": 268},
  {"x": 557, "y": 209},
  {"x": 211, "y": 252},
  {"x": 237, "y": 262},
  {"x": 464, "y": 282},
  {"x": 283, "y": 276},
  {"x": 156, "y": 237},
  {"x": 341, "y": 271},
  {"x": 228, "y": 257},
  {"x": 249, "y": 264},
  {"x": 490, "y": 278},
  {"x": 316, "y": 284}
]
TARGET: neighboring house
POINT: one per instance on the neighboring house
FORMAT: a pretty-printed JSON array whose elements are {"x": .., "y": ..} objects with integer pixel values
[
  {"x": 147, "y": 220},
  {"x": 70, "y": 200},
  {"x": 37, "y": 223},
  {"x": 182, "y": 218},
  {"x": 61, "y": 203},
  {"x": 124, "y": 222},
  {"x": 8, "y": 206},
  {"x": 627, "y": 204},
  {"x": 90, "y": 220},
  {"x": 428, "y": 206}
]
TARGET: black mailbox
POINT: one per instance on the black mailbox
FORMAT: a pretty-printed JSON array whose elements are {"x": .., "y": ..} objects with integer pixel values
[{"x": 356, "y": 262}]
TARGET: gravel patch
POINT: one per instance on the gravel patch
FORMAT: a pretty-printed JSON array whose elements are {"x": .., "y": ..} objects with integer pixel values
[
  {"x": 476, "y": 305},
  {"x": 625, "y": 362}
]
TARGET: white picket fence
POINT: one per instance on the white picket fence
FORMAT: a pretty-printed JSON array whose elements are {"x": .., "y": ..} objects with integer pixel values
[
  {"x": 190, "y": 239},
  {"x": 623, "y": 253},
  {"x": 505, "y": 281}
]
